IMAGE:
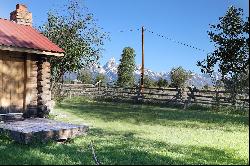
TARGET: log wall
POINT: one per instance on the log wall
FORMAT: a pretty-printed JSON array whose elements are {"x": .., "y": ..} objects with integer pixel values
[
  {"x": 31, "y": 86},
  {"x": 25, "y": 84},
  {"x": 43, "y": 87}
]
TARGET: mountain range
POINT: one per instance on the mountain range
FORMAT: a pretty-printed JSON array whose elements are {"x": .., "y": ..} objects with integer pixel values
[{"x": 111, "y": 67}]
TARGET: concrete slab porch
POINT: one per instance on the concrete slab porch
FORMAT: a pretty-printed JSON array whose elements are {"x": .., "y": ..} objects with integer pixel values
[{"x": 39, "y": 129}]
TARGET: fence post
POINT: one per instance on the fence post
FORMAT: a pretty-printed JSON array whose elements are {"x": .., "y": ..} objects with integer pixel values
[
  {"x": 139, "y": 96},
  {"x": 190, "y": 95},
  {"x": 70, "y": 94},
  {"x": 178, "y": 95},
  {"x": 217, "y": 98},
  {"x": 184, "y": 98},
  {"x": 99, "y": 88}
]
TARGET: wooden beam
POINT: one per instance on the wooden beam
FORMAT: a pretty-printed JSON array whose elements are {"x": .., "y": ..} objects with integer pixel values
[
  {"x": 31, "y": 51},
  {"x": 26, "y": 75},
  {"x": 1, "y": 79}
]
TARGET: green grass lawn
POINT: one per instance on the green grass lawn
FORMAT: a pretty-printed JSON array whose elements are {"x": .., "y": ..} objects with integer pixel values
[{"x": 136, "y": 134}]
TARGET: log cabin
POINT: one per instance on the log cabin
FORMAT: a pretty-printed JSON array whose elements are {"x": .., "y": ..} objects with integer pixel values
[{"x": 24, "y": 66}]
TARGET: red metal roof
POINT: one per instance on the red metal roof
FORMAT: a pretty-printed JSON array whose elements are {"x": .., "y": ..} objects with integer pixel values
[{"x": 23, "y": 36}]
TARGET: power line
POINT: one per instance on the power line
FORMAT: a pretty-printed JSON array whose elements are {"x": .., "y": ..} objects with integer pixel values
[
  {"x": 165, "y": 37},
  {"x": 129, "y": 30},
  {"x": 175, "y": 41}
]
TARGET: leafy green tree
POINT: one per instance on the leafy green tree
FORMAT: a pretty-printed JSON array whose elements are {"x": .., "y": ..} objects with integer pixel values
[
  {"x": 179, "y": 76},
  {"x": 231, "y": 39},
  {"x": 148, "y": 82},
  {"x": 102, "y": 79},
  {"x": 85, "y": 76},
  {"x": 231, "y": 54},
  {"x": 162, "y": 83},
  {"x": 205, "y": 87},
  {"x": 67, "y": 81},
  {"x": 126, "y": 68},
  {"x": 237, "y": 84},
  {"x": 75, "y": 31}
]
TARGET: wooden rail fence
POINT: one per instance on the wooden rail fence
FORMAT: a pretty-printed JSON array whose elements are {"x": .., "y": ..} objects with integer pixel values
[{"x": 157, "y": 95}]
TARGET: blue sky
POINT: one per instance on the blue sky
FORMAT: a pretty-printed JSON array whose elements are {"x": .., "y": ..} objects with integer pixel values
[{"x": 183, "y": 20}]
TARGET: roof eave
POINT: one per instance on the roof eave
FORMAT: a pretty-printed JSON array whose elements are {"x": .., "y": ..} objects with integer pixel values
[{"x": 29, "y": 50}]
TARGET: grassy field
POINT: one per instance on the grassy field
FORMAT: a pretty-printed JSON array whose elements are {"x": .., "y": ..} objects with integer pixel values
[{"x": 136, "y": 134}]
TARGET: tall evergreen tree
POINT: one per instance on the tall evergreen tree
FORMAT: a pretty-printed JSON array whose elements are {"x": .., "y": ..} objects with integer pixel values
[{"x": 126, "y": 68}]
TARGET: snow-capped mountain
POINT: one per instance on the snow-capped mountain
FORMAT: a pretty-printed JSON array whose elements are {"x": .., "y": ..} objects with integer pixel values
[{"x": 111, "y": 67}]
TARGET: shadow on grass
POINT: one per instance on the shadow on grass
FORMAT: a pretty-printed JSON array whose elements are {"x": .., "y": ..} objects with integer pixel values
[
  {"x": 138, "y": 114},
  {"x": 113, "y": 148},
  {"x": 126, "y": 148}
]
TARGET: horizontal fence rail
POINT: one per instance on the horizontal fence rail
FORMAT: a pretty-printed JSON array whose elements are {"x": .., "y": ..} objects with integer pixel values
[{"x": 185, "y": 96}]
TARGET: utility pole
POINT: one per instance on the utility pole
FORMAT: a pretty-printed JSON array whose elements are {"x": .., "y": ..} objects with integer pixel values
[{"x": 142, "y": 64}]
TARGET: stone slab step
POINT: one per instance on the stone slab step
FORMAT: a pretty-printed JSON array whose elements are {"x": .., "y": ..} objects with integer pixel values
[
  {"x": 42, "y": 130},
  {"x": 11, "y": 117}
]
